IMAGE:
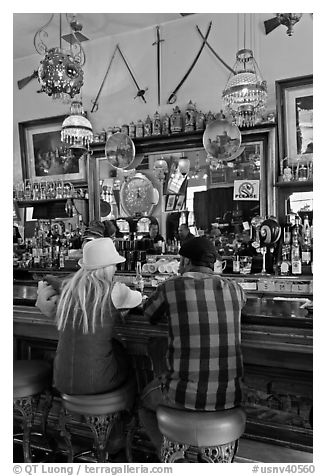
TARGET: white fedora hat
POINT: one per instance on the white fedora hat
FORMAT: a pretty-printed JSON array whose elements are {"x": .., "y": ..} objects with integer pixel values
[
  {"x": 124, "y": 298},
  {"x": 100, "y": 253}
]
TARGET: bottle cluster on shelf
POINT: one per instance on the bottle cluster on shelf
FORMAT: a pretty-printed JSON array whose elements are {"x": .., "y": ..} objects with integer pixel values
[
  {"x": 188, "y": 121},
  {"x": 300, "y": 171},
  {"x": 49, "y": 247},
  {"x": 46, "y": 190},
  {"x": 178, "y": 121},
  {"x": 297, "y": 247}
]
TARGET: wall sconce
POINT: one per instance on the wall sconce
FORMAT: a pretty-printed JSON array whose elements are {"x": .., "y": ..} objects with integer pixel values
[
  {"x": 160, "y": 169},
  {"x": 184, "y": 165}
]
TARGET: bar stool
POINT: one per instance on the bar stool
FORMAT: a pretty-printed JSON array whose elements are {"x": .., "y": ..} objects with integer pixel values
[
  {"x": 30, "y": 379},
  {"x": 200, "y": 437},
  {"x": 100, "y": 412}
]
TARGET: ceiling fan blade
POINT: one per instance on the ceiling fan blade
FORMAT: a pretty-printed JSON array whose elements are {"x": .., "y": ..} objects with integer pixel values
[
  {"x": 271, "y": 24},
  {"x": 23, "y": 82}
]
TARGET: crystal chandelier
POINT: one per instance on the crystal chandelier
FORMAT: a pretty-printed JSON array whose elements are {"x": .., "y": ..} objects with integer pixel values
[
  {"x": 245, "y": 93},
  {"x": 60, "y": 72},
  {"x": 76, "y": 129}
]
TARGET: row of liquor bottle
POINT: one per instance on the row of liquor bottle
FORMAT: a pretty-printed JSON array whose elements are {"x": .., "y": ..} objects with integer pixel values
[
  {"x": 297, "y": 247},
  {"x": 46, "y": 190},
  {"x": 49, "y": 247},
  {"x": 301, "y": 171},
  {"x": 189, "y": 121}
]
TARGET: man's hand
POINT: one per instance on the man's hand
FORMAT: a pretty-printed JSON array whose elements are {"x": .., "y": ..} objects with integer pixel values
[{"x": 47, "y": 298}]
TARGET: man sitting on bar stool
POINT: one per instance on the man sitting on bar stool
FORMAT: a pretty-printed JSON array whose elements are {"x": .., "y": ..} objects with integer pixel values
[{"x": 204, "y": 359}]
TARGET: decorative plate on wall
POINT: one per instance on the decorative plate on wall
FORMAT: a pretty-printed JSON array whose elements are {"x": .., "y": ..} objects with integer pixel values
[
  {"x": 137, "y": 195},
  {"x": 120, "y": 150},
  {"x": 222, "y": 140}
]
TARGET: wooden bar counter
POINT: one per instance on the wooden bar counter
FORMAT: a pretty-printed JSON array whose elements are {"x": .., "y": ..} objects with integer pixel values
[{"x": 277, "y": 346}]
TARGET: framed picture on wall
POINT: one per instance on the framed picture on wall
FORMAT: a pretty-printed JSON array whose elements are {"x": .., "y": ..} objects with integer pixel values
[
  {"x": 179, "y": 203},
  {"x": 43, "y": 155},
  {"x": 169, "y": 204},
  {"x": 294, "y": 98}
]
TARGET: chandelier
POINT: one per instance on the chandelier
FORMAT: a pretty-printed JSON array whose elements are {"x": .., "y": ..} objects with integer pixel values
[
  {"x": 245, "y": 93},
  {"x": 60, "y": 72},
  {"x": 76, "y": 129}
]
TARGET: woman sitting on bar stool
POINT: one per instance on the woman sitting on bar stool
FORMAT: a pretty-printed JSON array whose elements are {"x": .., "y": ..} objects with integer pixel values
[{"x": 88, "y": 359}]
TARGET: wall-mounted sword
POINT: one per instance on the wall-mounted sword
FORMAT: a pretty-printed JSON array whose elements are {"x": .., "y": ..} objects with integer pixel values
[
  {"x": 158, "y": 58},
  {"x": 140, "y": 92},
  {"x": 173, "y": 96},
  {"x": 95, "y": 103},
  {"x": 213, "y": 51}
]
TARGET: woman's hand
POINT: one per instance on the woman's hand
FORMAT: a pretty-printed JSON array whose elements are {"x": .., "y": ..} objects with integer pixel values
[{"x": 47, "y": 298}]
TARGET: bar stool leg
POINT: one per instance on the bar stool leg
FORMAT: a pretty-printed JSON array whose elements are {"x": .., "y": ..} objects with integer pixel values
[
  {"x": 27, "y": 407},
  {"x": 101, "y": 426},
  {"x": 133, "y": 425},
  {"x": 46, "y": 410},
  {"x": 65, "y": 433},
  {"x": 219, "y": 454},
  {"x": 171, "y": 451}
]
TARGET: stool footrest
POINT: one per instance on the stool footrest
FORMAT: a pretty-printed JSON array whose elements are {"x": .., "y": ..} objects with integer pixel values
[{"x": 172, "y": 452}]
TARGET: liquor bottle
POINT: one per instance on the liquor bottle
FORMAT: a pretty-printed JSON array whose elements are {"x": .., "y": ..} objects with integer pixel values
[
  {"x": 61, "y": 258},
  {"x": 296, "y": 231},
  {"x": 295, "y": 256},
  {"x": 297, "y": 224},
  {"x": 303, "y": 172},
  {"x": 287, "y": 231},
  {"x": 306, "y": 241},
  {"x": 236, "y": 262},
  {"x": 139, "y": 277},
  {"x": 286, "y": 262},
  {"x": 306, "y": 226}
]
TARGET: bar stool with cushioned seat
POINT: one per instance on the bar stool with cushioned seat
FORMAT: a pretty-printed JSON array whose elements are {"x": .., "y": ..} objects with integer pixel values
[
  {"x": 200, "y": 437},
  {"x": 100, "y": 412},
  {"x": 30, "y": 379}
]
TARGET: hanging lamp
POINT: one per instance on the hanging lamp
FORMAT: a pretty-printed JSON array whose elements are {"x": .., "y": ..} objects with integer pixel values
[
  {"x": 184, "y": 165},
  {"x": 245, "y": 93},
  {"x": 76, "y": 129},
  {"x": 60, "y": 72}
]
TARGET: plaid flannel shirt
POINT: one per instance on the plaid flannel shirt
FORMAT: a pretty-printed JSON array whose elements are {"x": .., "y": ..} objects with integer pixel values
[{"x": 204, "y": 356}]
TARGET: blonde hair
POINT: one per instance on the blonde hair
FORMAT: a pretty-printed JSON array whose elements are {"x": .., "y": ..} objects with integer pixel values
[{"x": 85, "y": 299}]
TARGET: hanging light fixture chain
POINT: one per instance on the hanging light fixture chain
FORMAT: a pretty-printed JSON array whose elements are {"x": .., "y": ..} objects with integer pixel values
[
  {"x": 238, "y": 31},
  {"x": 39, "y": 45},
  {"x": 244, "y": 30},
  {"x": 60, "y": 31}
]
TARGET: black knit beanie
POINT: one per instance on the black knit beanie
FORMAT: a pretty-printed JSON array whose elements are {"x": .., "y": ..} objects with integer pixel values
[{"x": 200, "y": 251}]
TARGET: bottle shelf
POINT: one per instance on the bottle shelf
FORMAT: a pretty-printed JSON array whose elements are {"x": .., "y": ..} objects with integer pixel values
[
  {"x": 33, "y": 203},
  {"x": 294, "y": 184}
]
